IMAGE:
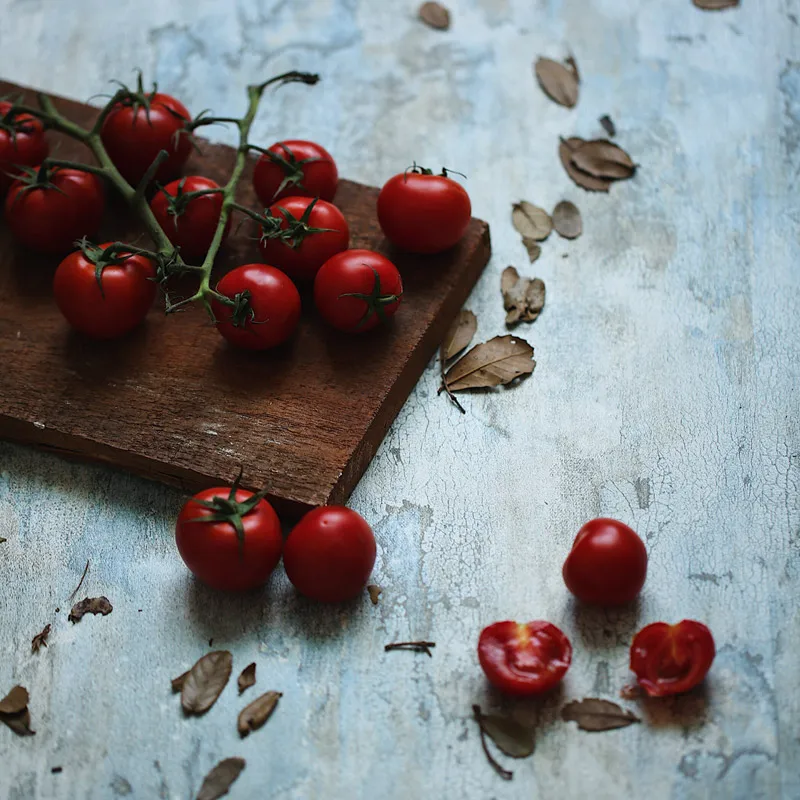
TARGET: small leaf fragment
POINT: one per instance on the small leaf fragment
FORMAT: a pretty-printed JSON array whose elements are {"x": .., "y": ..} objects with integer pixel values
[
  {"x": 531, "y": 221},
  {"x": 715, "y": 5},
  {"x": 253, "y": 716},
  {"x": 247, "y": 677},
  {"x": 523, "y": 298},
  {"x": 435, "y": 15},
  {"x": 374, "y": 590},
  {"x": 493, "y": 363},
  {"x": 532, "y": 246},
  {"x": 3, "y": 539},
  {"x": 20, "y": 722},
  {"x": 594, "y": 714},
  {"x": 514, "y": 739},
  {"x": 219, "y": 781},
  {"x": 177, "y": 683},
  {"x": 15, "y": 701},
  {"x": 583, "y": 179},
  {"x": 608, "y": 125},
  {"x": 460, "y": 334},
  {"x": 559, "y": 82},
  {"x": 205, "y": 681},
  {"x": 567, "y": 220},
  {"x": 90, "y": 605},
  {"x": 603, "y": 159},
  {"x": 40, "y": 640}
]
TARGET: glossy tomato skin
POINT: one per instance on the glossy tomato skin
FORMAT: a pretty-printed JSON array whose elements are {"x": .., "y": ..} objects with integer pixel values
[
  {"x": 301, "y": 263},
  {"x": 672, "y": 659},
  {"x": 329, "y": 554},
  {"x": 128, "y": 293},
  {"x": 274, "y": 300},
  {"x": 524, "y": 659},
  {"x": 356, "y": 272},
  {"x": 213, "y": 552},
  {"x": 50, "y": 219},
  {"x": 25, "y": 144},
  {"x": 423, "y": 213},
  {"x": 133, "y": 137},
  {"x": 607, "y": 564},
  {"x": 314, "y": 179},
  {"x": 192, "y": 230}
]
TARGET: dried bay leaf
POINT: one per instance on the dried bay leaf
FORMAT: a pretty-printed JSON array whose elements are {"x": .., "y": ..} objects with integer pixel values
[
  {"x": 583, "y": 179},
  {"x": 532, "y": 246},
  {"x": 205, "y": 681},
  {"x": 594, "y": 714},
  {"x": 40, "y": 640},
  {"x": 559, "y": 82},
  {"x": 608, "y": 125},
  {"x": 177, "y": 683},
  {"x": 531, "y": 221},
  {"x": 15, "y": 701},
  {"x": 567, "y": 220},
  {"x": 514, "y": 739},
  {"x": 253, "y": 716},
  {"x": 219, "y": 781},
  {"x": 460, "y": 334},
  {"x": 435, "y": 15},
  {"x": 90, "y": 605},
  {"x": 493, "y": 363},
  {"x": 374, "y": 590},
  {"x": 603, "y": 159},
  {"x": 247, "y": 677},
  {"x": 20, "y": 722},
  {"x": 715, "y": 5},
  {"x": 523, "y": 298}
]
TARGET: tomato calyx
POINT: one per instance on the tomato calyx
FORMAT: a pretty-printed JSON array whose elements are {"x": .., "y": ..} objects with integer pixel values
[
  {"x": 17, "y": 119},
  {"x": 178, "y": 203},
  {"x": 291, "y": 166},
  {"x": 296, "y": 230},
  {"x": 375, "y": 301},
  {"x": 416, "y": 169},
  {"x": 136, "y": 99}
]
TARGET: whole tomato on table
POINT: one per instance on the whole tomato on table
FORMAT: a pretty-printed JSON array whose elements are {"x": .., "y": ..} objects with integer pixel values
[
  {"x": 22, "y": 142},
  {"x": 295, "y": 168}
]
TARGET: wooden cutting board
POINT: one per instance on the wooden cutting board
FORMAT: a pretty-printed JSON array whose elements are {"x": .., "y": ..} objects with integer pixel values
[{"x": 173, "y": 402}]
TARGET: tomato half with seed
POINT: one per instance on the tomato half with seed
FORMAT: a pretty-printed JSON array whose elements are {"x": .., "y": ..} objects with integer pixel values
[
  {"x": 358, "y": 289},
  {"x": 671, "y": 659},
  {"x": 229, "y": 538},
  {"x": 190, "y": 222},
  {"x": 423, "y": 213},
  {"x": 524, "y": 659},
  {"x": 607, "y": 564},
  {"x": 295, "y": 168},
  {"x": 264, "y": 307},
  {"x": 107, "y": 304},
  {"x": 329, "y": 554},
  {"x": 301, "y": 233},
  {"x": 22, "y": 142}
]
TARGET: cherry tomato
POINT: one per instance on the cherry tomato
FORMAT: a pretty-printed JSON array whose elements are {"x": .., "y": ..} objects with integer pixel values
[
  {"x": 189, "y": 222},
  {"x": 139, "y": 126},
  {"x": 49, "y": 210},
  {"x": 358, "y": 289},
  {"x": 329, "y": 554},
  {"x": 670, "y": 659},
  {"x": 607, "y": 564},
  {"x": 524, "y": 659},
  {"x": 22, "y": 142},
  {"x": 265, "y": 307},
  {"x": 301, "y": 234},
  {"x": 423, "y": 213},
  {"x": 127, "y": 292},
  {"x": 229, "y": 538},
  {"x": 295, "y": 168}
]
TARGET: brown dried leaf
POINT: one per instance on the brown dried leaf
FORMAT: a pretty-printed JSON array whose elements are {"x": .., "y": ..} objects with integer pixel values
[
  {"x": 205, "y": 681},
  {"x": 460, "y": 334},
  {"x": 593, "y": 714},
  {"x": 715, "y": 5},
  {"x": 20, "y": 722},
  {"x": 567, "y": 220},
  {"x": 531, "y": 221},
  {"x": 40, "y": 640},
  {"x": 498, "y": 361},
  {"x": 514, "y": 739},
  {"x": 603, "y": 159},
  {"x": 559, "y": 82},
  {"x": 15, "y": 701},
  {"x": 608, "y": 125},
  {"x": 532, "y": 246},
  {"x": 581, "y": 178},
  {"x": 374, "y": 590},
  {"x": 177, "y": 683},
  {"x": 435, "y": 15},
  {"x": 247, "y": 677},
  {"x": 3, "y": 539},
  {"x": 219, "y": 781},
  {"x": 90, "y": 605},
  {"x": 252, "y": 717},
  {"x": 523, "y": 298}
]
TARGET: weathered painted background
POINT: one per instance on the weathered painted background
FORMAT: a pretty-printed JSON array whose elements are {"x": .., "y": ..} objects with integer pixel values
[{"x": 666, "y": 394}]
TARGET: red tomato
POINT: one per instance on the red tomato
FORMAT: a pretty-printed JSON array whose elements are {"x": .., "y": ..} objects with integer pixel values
[
  {"x": 49, "y": 217},
  {"x": 423, "y": 213},
  {"x": 229, "y": 538},
  {"x": 301, "y": 234},
  {"x": 139, "y": 127},
  {"x": 127, "y": 292},
  {"x": 189, "y": 222},
  {"x": 607, "y": 564},
  {"x": 295, "y": 168},
  {"x": 22, "y": 141},
  {"x": 524, "y": 659},
  {"x": 329, "y": 554},
  {"x": 266, "y": 307},
  {"x": 357, "y": 289},
  {"x": 670, "y": 659}
]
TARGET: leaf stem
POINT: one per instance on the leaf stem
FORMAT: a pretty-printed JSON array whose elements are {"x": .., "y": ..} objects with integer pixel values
[{"x": 505, "y": 774}]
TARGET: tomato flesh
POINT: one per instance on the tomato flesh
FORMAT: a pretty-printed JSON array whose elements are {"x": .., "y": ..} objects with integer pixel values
[
  {"x": 287, "y": 176},
  {"x": 22, "y": 142}
]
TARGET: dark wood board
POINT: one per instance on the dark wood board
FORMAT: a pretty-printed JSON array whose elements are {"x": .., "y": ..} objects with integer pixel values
[{"x": 173, "y": 402}]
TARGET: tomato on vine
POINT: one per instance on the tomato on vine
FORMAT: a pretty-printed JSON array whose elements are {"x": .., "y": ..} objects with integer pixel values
[
  {"x": 104, "y": 291},
  {"x": 50, "y": 207},
  {"x": 262, "y": 307},
  {"x": 358, "y": 289},
  {"x": 22, "y": 143},
  {"x": 295, "y": 168}
]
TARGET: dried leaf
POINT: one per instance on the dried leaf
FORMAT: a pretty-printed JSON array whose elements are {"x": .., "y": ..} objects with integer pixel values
[
  {"x": 583, "y": 179},
  {"x": 593, "y": 714},
  {"x": 559, "y": 82},
  {"x": 531, "y": 221},
  {"x": 715, "y": 5},
  {"x": 252, "y": 717},
  {"x": 523, "y": 298},
  {"x": 15, "y": 701},
  {"x": 374, "y": 590},
  {"x": 20, "y": 722},
  {"x": 177, "y": 683},
  {"x": 3, "y": 539},
  {"x": 460, "y": 334},
  {"x": 603, "y": 159},
  {"x": 247, "y": 677},
  {"x": 608, "y": 125},
  {"x": 219, "y": 781},
  {"x": 205, "y": 681},
  {"x": 40, "y": 640},
  {"x": 567, "y": 220},
  {"x": 90, "y": 605},
  {"x": 532, "y": 246},
  {"x": 498, "y": 361},
  {"x": 514, "y": 739},
  {"x": 435, "y": 15}
]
